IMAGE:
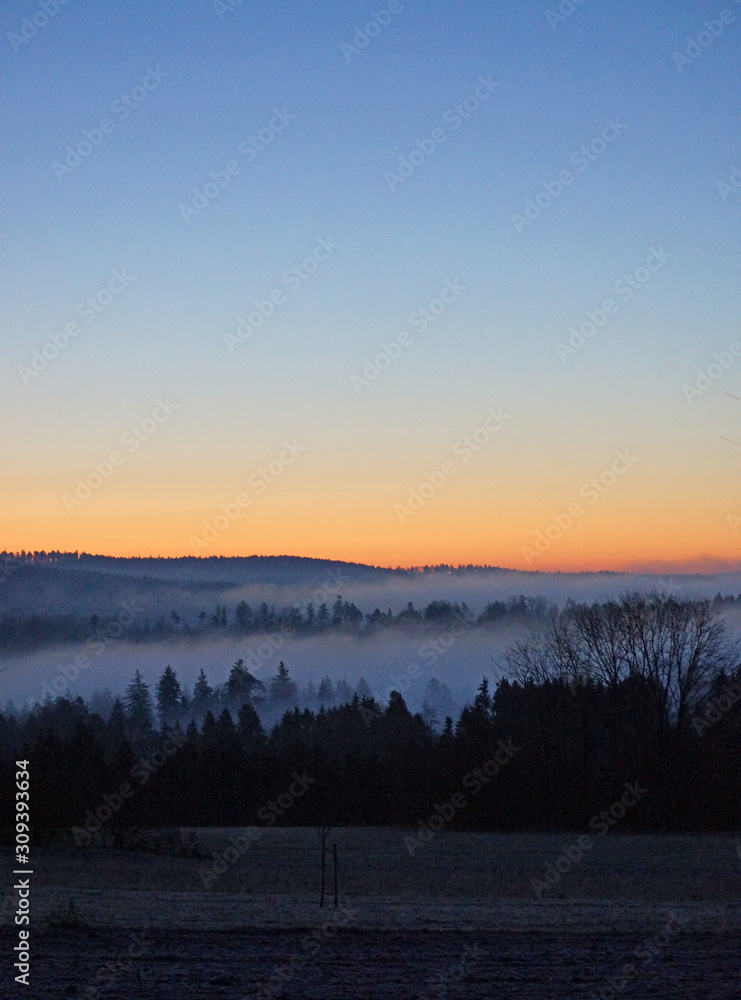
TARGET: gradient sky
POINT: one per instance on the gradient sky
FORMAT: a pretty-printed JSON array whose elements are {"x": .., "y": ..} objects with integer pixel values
[{"x": 222, "y": 74}]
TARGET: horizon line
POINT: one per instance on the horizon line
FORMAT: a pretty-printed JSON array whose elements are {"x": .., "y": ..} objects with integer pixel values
[{"x": 723, "y": 567}]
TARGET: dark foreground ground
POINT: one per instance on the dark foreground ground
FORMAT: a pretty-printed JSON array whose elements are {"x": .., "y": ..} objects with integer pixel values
[
  {"x": 180, "y": 965},
  {"x": 635, "y": 918}
]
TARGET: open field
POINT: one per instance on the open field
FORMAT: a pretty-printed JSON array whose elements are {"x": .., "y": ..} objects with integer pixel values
[
  {"x": 185, "y": 965},
  {"x": 461, "y": 907},
  {"x": 383, "y": 863}
]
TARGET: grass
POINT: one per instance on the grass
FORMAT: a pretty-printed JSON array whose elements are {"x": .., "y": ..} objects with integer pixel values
[{"x": 456, "y": 880}]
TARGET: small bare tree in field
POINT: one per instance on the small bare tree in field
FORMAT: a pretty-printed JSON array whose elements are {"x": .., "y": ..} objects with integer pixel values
[
  {"x": 328, "y": 821},
  {"x": 323, "y": 832}
]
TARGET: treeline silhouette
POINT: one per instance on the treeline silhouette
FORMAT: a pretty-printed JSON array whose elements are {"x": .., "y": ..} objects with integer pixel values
[
  {"x": 87, "y": 560},
  {"x": 20, "y": 633},
  {"x": 643, "y": 690},
  {"x": 23, "y": 633}
]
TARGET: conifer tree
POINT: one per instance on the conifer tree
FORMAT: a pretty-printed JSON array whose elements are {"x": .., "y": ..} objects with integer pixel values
[
  {"x": 138, "y": 706},
  {"x": 169, "y": 697},
  {"x": 283, "y": 688}
]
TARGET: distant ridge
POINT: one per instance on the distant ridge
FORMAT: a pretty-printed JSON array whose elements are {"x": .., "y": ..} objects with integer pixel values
[
  {"x": 254, "y": 568},
  {"x": 84, "y": 584}
]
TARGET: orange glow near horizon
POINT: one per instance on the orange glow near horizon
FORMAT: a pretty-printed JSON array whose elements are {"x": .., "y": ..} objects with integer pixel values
[
  {"x": 499, "y": 509},
  {"x": 614, "y": 540}
]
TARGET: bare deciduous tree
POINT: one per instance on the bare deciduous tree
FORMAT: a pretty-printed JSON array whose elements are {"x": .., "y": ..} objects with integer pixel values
[{"x": 676, "y": 646}]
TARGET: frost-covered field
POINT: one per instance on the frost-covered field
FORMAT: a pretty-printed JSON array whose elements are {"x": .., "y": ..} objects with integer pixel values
[{"x": 662, "y": 914}]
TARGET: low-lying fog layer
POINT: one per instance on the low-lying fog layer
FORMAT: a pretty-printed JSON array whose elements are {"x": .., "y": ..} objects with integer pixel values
[
  {"x": 477, "y": 589},
  {"x": 388, "y": 661},
  {"x": 48, "y": 589}
]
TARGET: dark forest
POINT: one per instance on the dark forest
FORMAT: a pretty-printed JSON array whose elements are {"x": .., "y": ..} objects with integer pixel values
[{"x": 642, "y": 692}]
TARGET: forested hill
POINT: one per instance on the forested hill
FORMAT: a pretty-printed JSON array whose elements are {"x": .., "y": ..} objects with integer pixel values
[
  {"x": 60, "y": 580},
  {"x": 186, "y": 593},
  {"x": 278, "y": 570}
]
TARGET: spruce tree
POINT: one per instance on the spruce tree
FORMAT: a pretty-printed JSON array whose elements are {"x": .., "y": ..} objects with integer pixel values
[
  {"x": 138, "y": 706},
  {"x": 202, "y": 693},
  {"x": 169, "y": 697},
  {"x": 283, "y": 688}
]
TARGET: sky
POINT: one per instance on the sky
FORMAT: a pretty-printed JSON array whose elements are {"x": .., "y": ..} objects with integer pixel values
[{"x": 399, "y": 284}]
